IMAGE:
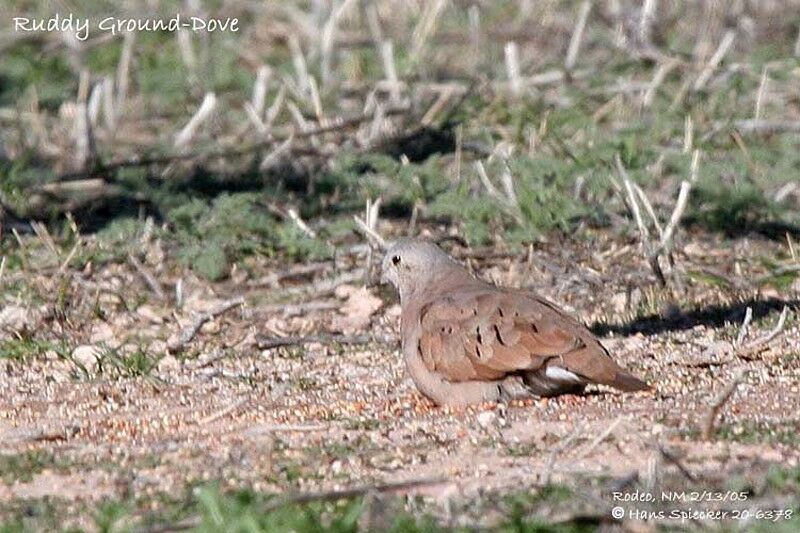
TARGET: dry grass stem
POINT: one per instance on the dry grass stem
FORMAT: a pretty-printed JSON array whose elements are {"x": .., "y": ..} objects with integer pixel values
[
  {"x": 745, "y": 327},
  {"x": 716, "y": 405},
  {"x": 203, "y": 113},
  {"x": 188, "y": 333},
  {"x": 577, "y": 36},
  {"x": 723, "y": 48}
]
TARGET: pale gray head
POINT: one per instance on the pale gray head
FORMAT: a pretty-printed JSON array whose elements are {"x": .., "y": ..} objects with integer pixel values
[{"x": 414, "y": 266}]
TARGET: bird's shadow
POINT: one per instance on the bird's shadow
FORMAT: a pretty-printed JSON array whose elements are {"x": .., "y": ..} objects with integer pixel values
[{"x": 712, "y": 316}]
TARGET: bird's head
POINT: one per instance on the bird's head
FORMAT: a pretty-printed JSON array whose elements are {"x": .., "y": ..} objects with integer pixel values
[{"x": 414, "y": 265}]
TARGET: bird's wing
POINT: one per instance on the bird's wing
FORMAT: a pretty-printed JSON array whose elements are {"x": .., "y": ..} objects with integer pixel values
[{"x": 487, "y": 333}]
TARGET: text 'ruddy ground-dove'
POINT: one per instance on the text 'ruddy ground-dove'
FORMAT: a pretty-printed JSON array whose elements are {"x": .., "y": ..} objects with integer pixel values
[{"x": 466, "y": 341}]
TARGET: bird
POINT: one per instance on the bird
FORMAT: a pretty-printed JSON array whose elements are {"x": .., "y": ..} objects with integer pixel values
[{"x": 466, "y": 341}]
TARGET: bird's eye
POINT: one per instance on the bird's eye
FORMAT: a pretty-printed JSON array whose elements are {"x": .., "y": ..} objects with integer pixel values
[{"x": 396, "y": 260}]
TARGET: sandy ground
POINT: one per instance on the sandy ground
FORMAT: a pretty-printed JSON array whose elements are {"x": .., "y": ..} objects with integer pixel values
[{"x": 325, "y": 416}]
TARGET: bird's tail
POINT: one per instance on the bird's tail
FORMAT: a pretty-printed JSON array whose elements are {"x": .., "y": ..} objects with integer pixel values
[{"x": 596, "y": 366}]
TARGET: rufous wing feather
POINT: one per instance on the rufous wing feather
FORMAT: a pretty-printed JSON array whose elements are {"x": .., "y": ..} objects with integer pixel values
[{"x": 487, "y": 333}]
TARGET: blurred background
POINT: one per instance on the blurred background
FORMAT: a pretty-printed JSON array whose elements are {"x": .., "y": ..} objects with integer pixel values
[
  {"x": 190, "y": 224},
  {"x": 312, "y": 106}
]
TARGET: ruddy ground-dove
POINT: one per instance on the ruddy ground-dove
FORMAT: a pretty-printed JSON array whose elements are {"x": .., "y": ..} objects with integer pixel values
[{"x": 466, "y": 341}]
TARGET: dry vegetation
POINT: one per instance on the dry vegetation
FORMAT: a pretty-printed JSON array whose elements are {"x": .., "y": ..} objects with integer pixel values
[{"x": 190, "y": 226}]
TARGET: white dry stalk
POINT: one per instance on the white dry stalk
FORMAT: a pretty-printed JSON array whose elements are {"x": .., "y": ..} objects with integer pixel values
[
  {"x": 785, "y": 191},
  {"x": 254, "y": 117},
  {"x": 275, "y": 108},
  {"x": 109, "y": 113},
  {"x": 298, "y": 117},
  {"x": 797, "y": 44},
  {"x": 272, "y": 157},
  {"x": 368, "y": 225},
  {"x": 484, "y": 177},
  {"x": 474, "y": 14},
  {"x": 2, "y": 267},
  {"x": 373, "y": 22},
  {"x": 259, "y": 99},
  {"x": 438, "y": 105},
  {"x": 328, "y": 37},
  {"x": 459, "y": 153},
  {"x": 577, "y": 35},
  {"x": 300, "y": 223},
  {"x": 123, "y": 69},
  {"x": 390, "y": 70},
  {"x": 43, "y": 233},
  {"x": 633, "y": 204},
  {"x": 649, "y": 208},
  {"x": 769, "y": 337},
  {"x": 179, "y": 293},
  {"x": 507, "y": 200},
  {"x": 508, "y": 185},
  {"x": 95, "y": 98},
  {"x": 186, "y": 50},
  {"x": 299, "y": 62},
  {"x": 688, "y": 134},
  {"x": 680, "y": 205},
  {"x": 372, "y": 212},
  {"x": 745, "y": 327},
  {"x": 65, "y": 263},
  {"x": 708, "y": 70},
  {"x": 644, "y": 233},
  {"x": 369, "y": 233},
  {"x": 362, "y": 134},
  {"x": 580, "y": 181},
  {"x": 185, "y": 136},
  {"x": 316, "y": 100},
  {"x": 646, "y": 20},
  {"x": 658, "y": 78},
  {"x": 762, "y": 88},
  {"x": 376, "y": 126},
  {"x": 791, "y": 247},
  {"x": 512, "y": 68},
  {"x": 82, "y": 133},
  {"x": 424, "y": 28}
]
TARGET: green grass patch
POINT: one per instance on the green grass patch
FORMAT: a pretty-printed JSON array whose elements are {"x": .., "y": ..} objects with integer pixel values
[{"x": 29, "y": 348}]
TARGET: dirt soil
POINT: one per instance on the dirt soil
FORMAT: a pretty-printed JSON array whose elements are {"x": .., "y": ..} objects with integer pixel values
[{"x": 329, "y": 415}]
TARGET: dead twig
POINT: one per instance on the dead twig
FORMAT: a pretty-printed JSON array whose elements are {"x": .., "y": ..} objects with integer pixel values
[
  {"x": 748, "y": 317},
  {"x": 274, "y": 279},
  {"x": 673, "y": 459},
  {"x": 296, "y": 309},
  {"x": 635, "y": 196},
  {"x": 601, "y": 437},
  {"x": 265, "y": 342},
  {"x": 724, "y": 395},
  {"x": 223, "y": 412},
  {"x": 368, "y": 226},
  {"x": 300, "y": 223},
  {"x": 188, "y": 333},
  {"x": 761, "y": 343},
  {"x": 325, "y": 286},
  {"x": 148, "y": 278}
]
